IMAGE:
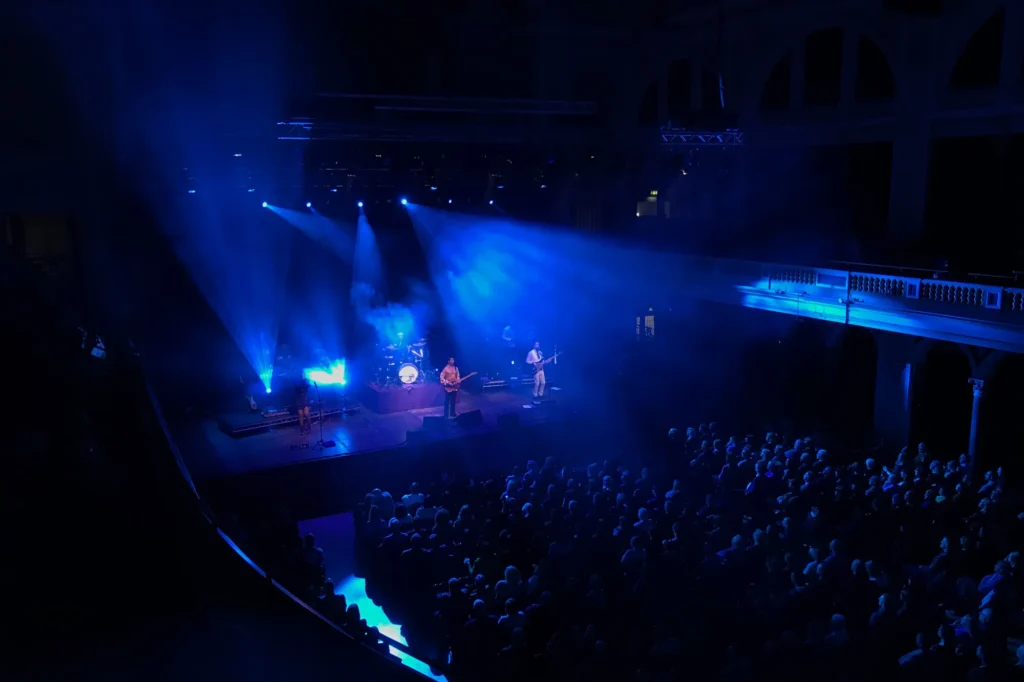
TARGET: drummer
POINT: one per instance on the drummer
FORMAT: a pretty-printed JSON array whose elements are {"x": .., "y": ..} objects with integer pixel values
[{"x": 415, "y": 351}]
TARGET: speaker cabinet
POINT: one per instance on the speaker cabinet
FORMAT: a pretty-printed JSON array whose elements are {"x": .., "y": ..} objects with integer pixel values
[
  {"x": 470, "y": 419},
  {"x": 434, "y": 423}
]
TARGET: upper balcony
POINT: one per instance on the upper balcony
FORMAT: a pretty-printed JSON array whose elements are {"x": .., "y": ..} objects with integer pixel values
[{"x": 985, "y": 312}]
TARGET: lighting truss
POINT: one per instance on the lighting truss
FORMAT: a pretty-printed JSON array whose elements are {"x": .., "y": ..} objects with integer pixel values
[
  {"x": 686, "y": 138},
  {"x": 308, "y": 130}
]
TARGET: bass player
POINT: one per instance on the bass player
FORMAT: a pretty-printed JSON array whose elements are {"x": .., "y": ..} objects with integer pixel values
[{"x": 535, "y": 358}]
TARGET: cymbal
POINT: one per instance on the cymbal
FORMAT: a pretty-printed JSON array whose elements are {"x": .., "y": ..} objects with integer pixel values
[
  {"x": 419, "y": 344},
  {"x": 391, "y": 347}
]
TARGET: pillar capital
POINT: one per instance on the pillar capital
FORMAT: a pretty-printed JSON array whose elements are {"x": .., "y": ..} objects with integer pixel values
[{"x": 978, "y": 385}]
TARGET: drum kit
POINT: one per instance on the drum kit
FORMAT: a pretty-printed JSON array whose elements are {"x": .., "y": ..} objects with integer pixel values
[{"x": 404, "y": 365}]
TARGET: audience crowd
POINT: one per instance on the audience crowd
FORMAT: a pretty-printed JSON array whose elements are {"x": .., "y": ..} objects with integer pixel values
[{"x": 728, "y": 558}]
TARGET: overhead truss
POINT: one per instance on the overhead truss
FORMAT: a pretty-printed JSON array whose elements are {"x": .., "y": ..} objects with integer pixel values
[{"x": 680, "y": 137}]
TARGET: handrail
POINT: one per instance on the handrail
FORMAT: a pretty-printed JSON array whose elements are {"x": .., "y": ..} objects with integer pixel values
[{"x": 897, "y": 268}]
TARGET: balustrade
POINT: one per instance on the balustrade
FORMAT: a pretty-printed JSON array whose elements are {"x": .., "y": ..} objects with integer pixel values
[{"x": 980, "y": 314}]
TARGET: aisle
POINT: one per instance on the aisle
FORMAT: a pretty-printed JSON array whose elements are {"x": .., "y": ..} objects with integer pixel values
[{"x": 336, "y": 536}]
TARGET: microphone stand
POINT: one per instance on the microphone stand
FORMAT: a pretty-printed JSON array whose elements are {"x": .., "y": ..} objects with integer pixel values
[{"x": 321, "y": 443}]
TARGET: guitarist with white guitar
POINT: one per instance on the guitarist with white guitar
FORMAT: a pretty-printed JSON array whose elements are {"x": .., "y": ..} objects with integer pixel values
[
  {"x": 536, "y": 359},
  {"x": 450, "y": 380}
]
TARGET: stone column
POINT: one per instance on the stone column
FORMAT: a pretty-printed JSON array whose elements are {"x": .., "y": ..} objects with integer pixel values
[{"x": 978, "y": 385}]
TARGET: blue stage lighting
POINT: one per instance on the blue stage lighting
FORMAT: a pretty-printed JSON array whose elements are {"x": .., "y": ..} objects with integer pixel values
[
  {"x": 309, "y": 204},
  {"x": 491, "y": 202},
  {"x": 449, "y": 201},
  {"x": 359, "y": 204},
  {"x": 250, "y": 190},
  {"x": 333, "y": 375},
  {"x": 433, "y": 188},
  {"x": 264, "y": 204},
  {"x": 405, "y": 202},
  {"x": 191, "y": 191},
  {"x": 266, "y": 376}
]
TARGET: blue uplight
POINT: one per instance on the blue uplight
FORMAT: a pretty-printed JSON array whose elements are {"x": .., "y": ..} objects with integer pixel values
[
  {"x": 433, "y": 188},
  {"x": 449, "y": 201},
  {"x": 191, "y": 191},
  {"x": 264, "y": 204},
  {"x": 491, "y": 202},
  {"x": 309, "y": 204},
  {"x": 266, "y": 376},
  {"x": 359, "y": 204},
  {"x": 405, "y": 202}
]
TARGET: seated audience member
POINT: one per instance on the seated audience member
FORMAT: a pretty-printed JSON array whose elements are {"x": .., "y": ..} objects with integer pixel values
[{"x": 414, "y": 496}]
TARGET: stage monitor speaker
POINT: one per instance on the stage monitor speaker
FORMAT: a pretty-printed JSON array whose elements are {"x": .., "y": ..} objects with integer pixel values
[
  {"x": 508, "y": 421},
  {"x": 470, "y": 419},
  {"x": 434, "y": 423}
]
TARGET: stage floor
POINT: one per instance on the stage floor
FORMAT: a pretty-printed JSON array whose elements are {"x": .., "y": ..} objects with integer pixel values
[{"x": 211, "y": 453}]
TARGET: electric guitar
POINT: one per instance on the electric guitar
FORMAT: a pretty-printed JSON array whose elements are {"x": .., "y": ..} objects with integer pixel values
[
  {"x": 452, "y": 386},
  {"x": 538, "y": 366}
]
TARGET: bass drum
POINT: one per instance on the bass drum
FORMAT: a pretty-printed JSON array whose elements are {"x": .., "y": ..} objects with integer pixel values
[{"x": 408, "y": 373}]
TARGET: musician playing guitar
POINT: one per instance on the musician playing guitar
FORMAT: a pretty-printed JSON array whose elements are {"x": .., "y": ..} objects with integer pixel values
[
  {"x": 536, "y": 358},
  {"x": 451, "y": 380}
]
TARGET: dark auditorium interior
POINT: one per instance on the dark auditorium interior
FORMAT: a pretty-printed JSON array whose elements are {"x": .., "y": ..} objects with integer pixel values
[{"x": 662, "y": 341}]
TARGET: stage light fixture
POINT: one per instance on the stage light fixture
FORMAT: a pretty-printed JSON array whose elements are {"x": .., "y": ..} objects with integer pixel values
[
  {"x": 359, "y": 204},
  {"x": 264, "y": 204},
  {"x": 449, "y": 201},
  {"x": 309, "y": 204},
  {"x": 405, "y": 202},
  {"x": 268, "y": 389},
  {"x": 491, "y": 202}
]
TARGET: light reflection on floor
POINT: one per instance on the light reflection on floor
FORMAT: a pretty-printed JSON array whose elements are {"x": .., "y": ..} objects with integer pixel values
[
  {"x": 336, "y": 536},
  {"x": 354, "y": 590}
]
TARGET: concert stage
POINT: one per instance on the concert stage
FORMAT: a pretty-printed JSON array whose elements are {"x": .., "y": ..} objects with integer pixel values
[{"x": 212, "y": 452}]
